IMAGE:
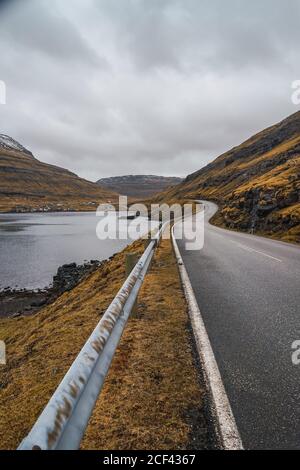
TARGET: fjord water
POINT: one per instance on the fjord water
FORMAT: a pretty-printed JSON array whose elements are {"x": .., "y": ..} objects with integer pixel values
[{"x": 33, "y": 246}]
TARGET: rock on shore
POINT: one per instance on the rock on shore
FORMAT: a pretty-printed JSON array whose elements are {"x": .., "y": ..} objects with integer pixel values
[{"x": 14, "y": 303}]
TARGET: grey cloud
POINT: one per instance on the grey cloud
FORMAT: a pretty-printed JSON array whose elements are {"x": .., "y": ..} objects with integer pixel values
[
  {"x": 193, "y": 34},
  {"x": 36, "y": 28},
  {"x": 106, "y": 87}
]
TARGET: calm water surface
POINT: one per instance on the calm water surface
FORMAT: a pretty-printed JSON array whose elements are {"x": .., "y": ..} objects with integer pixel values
[{"x": 33, "y": 246}]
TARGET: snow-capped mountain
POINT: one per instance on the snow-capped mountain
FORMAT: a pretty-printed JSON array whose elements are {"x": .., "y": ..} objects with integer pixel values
[
  {"x": 8, "y": 143},
  {"x": 27, "y": 184}
]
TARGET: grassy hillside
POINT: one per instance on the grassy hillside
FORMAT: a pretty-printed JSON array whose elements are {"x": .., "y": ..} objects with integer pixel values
[
  {"x": 257, "y": 184},
  {"x": 28, "y": 184}
]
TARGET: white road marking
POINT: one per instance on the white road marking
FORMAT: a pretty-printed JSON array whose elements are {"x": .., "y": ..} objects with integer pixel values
[
  {"x": 247, "y": 248},
  {"x": 224, "y": 422}
]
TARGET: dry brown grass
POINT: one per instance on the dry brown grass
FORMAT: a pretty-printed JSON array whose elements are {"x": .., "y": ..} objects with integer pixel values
[
  {"x": 152, "y": 385},
  {"x": 153, "y": 380}
]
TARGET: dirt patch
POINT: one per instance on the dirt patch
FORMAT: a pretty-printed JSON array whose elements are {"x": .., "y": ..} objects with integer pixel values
[{"x": 15, "y": 303}]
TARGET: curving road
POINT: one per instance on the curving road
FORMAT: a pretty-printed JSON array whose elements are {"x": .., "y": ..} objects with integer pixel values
[{"x": 247, "y": 288}]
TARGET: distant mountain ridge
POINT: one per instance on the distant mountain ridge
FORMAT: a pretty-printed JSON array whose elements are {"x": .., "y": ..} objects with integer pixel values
[
  {"x": 139, "y": 186},
  {"x": 27, "y": 184},
  {"x": 256, "y": 184}
]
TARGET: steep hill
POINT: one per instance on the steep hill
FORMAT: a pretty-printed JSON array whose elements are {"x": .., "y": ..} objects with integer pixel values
[
  {"x": 26, "y": 184},
  {"x": 138, "y": 186},
  {"x": 257, "y": 184}
]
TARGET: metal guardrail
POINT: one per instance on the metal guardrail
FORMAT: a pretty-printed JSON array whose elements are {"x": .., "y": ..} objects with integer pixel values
[{"x": 63, "y": 421}]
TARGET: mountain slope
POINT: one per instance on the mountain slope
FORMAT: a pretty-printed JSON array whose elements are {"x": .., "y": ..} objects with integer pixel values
[
  {"x": 257, "y": 184},
  {"x": 138, "y": 186},
  {"x": 26, "y": 184}
]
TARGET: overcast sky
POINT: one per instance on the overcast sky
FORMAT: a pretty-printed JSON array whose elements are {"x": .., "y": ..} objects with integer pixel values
[{"x": 112, "y": 87}]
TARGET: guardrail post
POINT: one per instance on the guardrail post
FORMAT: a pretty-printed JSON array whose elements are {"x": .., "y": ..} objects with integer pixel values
[
  {"x": 146, "y": 242},
  {"x": 130, "y": 261},
  {"x": 159, "y": 238}
]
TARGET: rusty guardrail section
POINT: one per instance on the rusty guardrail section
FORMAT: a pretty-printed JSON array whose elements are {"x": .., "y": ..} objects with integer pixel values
[{"x": 62, "y": 423}]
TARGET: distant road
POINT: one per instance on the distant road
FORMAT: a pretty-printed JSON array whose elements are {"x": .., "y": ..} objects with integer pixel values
[{"x": 248, "y": 291}]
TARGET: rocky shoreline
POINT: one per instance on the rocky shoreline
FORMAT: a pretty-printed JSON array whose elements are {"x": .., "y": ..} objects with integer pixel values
[{"x": 17, "y": 302}]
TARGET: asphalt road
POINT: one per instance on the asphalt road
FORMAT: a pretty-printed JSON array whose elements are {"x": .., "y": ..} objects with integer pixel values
[{"x": 247, "y": 288}]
